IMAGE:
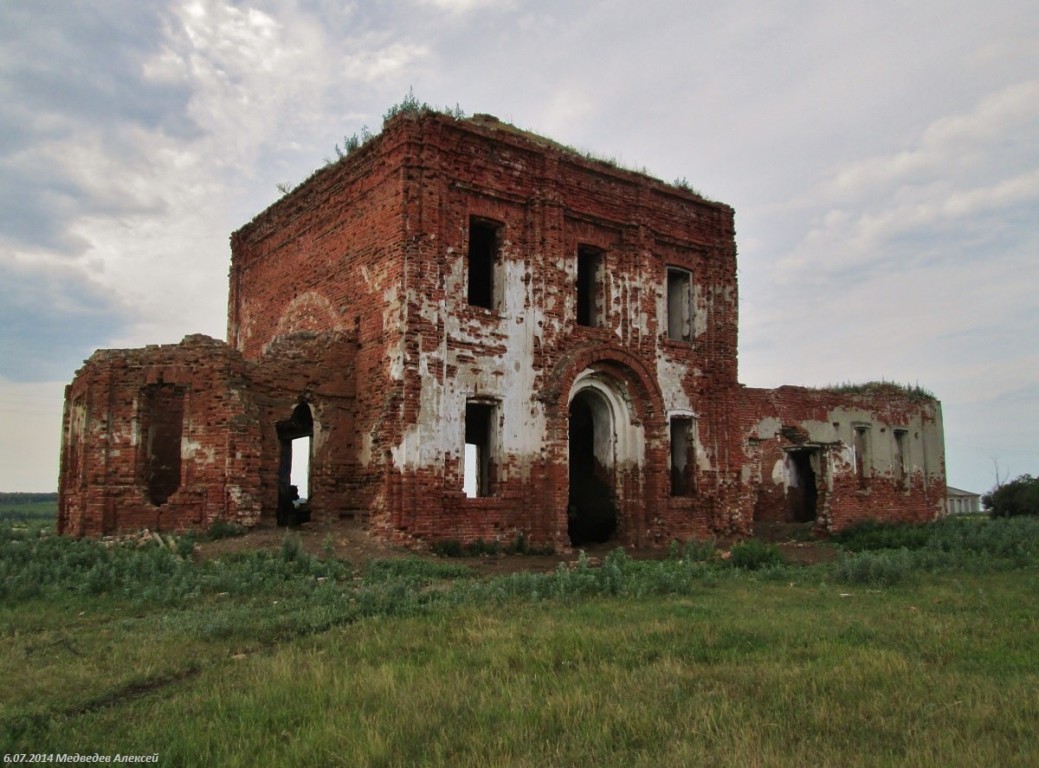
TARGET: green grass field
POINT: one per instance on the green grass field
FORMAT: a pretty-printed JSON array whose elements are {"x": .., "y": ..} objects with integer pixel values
[
  {"x": 925, "y": 654},
  {"x": 21, "y": 508}
]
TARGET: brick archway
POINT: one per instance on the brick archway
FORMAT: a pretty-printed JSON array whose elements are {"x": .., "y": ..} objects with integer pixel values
[
  {"x": 639, "y": 384},
  {"x": 621, "y": 397}
]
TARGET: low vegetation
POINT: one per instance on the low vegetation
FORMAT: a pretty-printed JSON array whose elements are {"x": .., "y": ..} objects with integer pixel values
[
  {"x": 913, "y": 391},
  {"x": 412, "y": 105},
  {"x": 918, "y": 646}
]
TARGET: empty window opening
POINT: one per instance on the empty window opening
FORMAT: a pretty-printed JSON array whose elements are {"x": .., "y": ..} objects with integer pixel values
[
  {"x": 862, "y": 458},
  {"x": 802, "y": 492},
  {"x": 589, "y": 286},
  {"x": 679, "y": 304},
  {"x": 901, "y": 459},
  {"x": 162, "y": 426},
  {"x": 483, "y": 258},
  {"x": 683, "y": 457},
  {"x": 300, "y": 473},
  {"x": 478, "y": 461},
  {"x": 295, "y": 437},
  {"x": 592, "y": 511}
]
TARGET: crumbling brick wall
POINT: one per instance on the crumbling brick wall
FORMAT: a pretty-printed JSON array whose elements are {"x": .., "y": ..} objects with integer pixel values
[
  {"x": 175, "y": 437},
  {"x": 127, "y": 465},
  {"x": 876, "y": 454}
]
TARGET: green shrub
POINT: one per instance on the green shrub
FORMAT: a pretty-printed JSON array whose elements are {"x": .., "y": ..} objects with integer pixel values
[
  {"x": 185, "y": 546},
  {"x": 447, "y": 548},
  {"x": 481, "y": 547},
  {"x": 222, "y": 529},
  {"x": 414, "y": 569},
  {"x": 872, "y": 535},
  {"x": 699, "y": 550},
  {"x": 755, "y": 554},
  {"x": 986, "y": 544},
  {"x": 292, "y": 548},
  {"x": 882, "y": 568}
]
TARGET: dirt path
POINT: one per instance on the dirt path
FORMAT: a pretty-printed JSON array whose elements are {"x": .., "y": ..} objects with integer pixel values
[{"x": 348, "y": 540}]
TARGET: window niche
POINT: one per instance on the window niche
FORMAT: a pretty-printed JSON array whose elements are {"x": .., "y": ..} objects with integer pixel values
[
  {"x": 679, "y": 304},
  {"x": 161, "y": 418},
  {"x": 482, "y": 262},
  {"x": 479, "y": 457},
  {"x": 683, "y": 456},
  {"x": 75, "y": 464},
  {"x": 901, "y": 458},
  {"x": 589, "y": 286},
  {"x": 863, "y": 460}
]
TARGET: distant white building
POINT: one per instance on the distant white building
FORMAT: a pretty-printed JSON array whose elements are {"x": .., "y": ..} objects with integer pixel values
[{"x": 963, "y": 502}]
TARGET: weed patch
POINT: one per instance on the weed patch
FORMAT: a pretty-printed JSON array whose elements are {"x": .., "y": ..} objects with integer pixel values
[
  {"x": 755, "y": 554},
  {"x": 875, "y": 568}
]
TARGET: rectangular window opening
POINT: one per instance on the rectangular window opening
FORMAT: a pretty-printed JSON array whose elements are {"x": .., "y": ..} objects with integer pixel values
[
  {"x": 478, "y": 461},
  {"x": 482, "y": 263},
  {"x": 679, "y": 304},
  {"x": 683, "y": 457},
  {"x": 162, "y": 425},
  {"x": 862, "y": 458},
  {"x": 901, "y": 459},
  {"x": 589, "y": 286}
]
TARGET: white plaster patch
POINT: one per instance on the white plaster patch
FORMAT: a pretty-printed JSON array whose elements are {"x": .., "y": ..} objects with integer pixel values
[
  {"x": 440, "y": 428},
  {"x": 189, "y": 449},
  {"x": 767, "y": 428},
  {"x": 670, "y": 376}
]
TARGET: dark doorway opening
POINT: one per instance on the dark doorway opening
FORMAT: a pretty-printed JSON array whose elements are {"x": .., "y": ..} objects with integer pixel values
[
  {"x": 294, "y": 503},
  {"x": 591, "y": 512},
  {"x": 803, "y": 491}
]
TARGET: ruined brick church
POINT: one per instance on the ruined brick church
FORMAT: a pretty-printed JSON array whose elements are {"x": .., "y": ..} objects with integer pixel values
[{"x": 479, "y": 334}]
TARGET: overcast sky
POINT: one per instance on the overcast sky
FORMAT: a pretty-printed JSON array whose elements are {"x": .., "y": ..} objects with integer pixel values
[{"x": 882, "y": 158}]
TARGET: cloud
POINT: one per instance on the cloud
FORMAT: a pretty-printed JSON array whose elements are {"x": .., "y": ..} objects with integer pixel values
[
  {"x": 464, "y": 6},
  {"x": 74, "y": 88},
  {"x": 999, "y": 126},
  {"x": 969, "y": 185},
  {"x": 52, "y": 320}
]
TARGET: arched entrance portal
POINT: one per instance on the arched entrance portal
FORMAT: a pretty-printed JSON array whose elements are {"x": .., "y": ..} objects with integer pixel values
[
  {"x": 605, "y": 458},
  {"x": 592, "y": 508}
]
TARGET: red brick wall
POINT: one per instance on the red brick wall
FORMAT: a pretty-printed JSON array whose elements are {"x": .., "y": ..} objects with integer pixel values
[
  {"x": 778, "y": 421},
  {"x": 103, "y": 483}
]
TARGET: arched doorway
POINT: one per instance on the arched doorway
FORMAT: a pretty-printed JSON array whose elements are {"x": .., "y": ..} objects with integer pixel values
[
  {"x": 295, "y": 436},
  {"x": 592, "y": 508},
  {"x": 605, "y": 453}
]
